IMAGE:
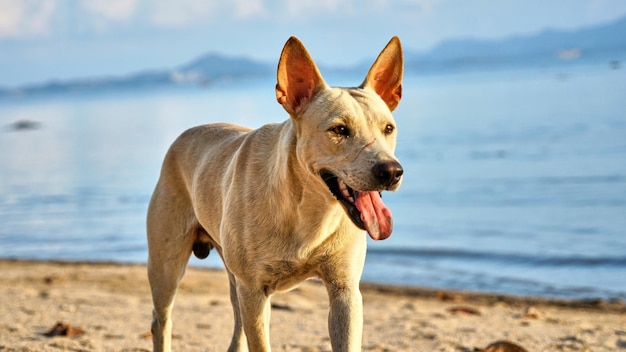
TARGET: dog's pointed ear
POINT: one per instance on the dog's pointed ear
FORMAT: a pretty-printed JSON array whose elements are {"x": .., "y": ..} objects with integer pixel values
[
  {"x": 298, "y": 77},
  {"x": 385, "y": 75}
]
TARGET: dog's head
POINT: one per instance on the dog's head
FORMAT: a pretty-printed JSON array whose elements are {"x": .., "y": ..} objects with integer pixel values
[{"x": 346, "y": 137}]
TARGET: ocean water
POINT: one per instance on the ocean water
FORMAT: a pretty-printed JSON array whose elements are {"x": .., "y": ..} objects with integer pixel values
[{"x": 515, "y": 181}]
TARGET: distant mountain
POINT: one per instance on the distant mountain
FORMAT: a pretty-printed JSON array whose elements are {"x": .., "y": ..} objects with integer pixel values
[
  {"x": 214, "y": 66},
  {"x": 551, "y": 47},
  {"x": 204, "y": 71},
  {"x": 604, "y": 43}
]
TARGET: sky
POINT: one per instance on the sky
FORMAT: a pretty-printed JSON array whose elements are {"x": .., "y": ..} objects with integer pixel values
[{"x": 42, "y": 40}]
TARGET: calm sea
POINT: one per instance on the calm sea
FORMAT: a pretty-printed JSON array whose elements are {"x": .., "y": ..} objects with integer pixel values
[{"x": 515, "y": 181}]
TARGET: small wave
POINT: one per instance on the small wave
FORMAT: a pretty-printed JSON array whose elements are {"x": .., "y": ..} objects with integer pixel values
[
  {"x": 511, "y": 258},
  {"x": 578, "y": 180}
]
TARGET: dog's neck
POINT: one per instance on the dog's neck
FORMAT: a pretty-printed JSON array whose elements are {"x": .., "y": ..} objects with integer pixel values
[{"x": 308, "y": 194}]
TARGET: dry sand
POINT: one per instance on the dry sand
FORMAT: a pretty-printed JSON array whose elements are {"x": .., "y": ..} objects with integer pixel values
[{"x": 110, "y": 304}]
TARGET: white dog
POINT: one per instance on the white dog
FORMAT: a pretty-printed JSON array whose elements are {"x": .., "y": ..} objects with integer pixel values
[{"x": 282, "y": 203}]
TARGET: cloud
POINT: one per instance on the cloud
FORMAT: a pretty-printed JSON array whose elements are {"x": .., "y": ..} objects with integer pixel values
[
  {"x": 26, "y": 18},
  {"x": 432, "y": 19},
  {"x": 249, "y": 9},
  {"x": 167, "y": 13},
  {"x": 112, "y": 10},
  {"x": 308, "y": 7},
  {"x": 181, "y": 13},
  {"x": 102, "y": 16},
  {"x": 39, "y": 18}
]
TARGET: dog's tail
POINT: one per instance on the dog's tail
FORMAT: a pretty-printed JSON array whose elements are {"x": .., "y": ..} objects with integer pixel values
[{"x": 202, "y": 245}]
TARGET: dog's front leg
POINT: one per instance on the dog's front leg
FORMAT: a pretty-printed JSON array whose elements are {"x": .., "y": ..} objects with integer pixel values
[
  {"x": 345, "y": 319},
  {"x": 255, "y": 309}
]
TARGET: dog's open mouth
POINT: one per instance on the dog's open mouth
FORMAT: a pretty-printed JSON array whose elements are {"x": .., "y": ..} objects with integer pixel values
[{"x": 365, "y": 208}]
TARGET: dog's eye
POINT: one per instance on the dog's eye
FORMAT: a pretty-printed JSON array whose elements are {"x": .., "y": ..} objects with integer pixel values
[
  {"x": 341, "y": 130},
  {"x": 389, "y": 129}
]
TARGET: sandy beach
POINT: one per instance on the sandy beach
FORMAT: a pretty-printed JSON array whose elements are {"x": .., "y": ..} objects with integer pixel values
[{"x": 108, "y": 308}]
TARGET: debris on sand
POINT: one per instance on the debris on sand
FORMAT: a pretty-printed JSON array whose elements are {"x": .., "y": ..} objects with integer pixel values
[
  {"x": 464, "y": 310},
  {"x": 504, "y": 346},
  {"x": 64, "y": 329}
]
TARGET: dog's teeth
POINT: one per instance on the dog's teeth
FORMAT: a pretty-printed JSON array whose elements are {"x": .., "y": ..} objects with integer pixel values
[{"x": 345, "y": 191}]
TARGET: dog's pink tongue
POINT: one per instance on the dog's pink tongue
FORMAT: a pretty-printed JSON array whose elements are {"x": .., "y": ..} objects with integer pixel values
[{"x": 374, "y": 214}]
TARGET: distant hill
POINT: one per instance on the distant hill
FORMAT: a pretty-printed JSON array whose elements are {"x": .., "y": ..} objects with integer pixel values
[
  {"x": 550, "y": 47},
  {"x": 214, "y": 66},
  {"x": 604, "y": 43},
  {"x": 204, "y": 71}
]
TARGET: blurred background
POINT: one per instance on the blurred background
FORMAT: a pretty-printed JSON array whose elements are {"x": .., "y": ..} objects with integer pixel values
[{"x": 512, "y": 126}]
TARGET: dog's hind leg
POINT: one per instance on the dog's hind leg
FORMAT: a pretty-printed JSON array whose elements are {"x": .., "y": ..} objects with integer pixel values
[
  {"x": 169, "y": 247},
  {"x": 238, "y": 342},
  {"x": 164, "y": 275},
  {"x": 164, "y": 279}
]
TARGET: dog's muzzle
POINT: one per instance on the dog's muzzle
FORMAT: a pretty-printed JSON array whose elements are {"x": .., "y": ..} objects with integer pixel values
[{"x": 365, "y": 207}]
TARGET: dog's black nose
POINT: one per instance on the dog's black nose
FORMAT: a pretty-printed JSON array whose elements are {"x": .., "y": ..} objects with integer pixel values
[{"x": 387, "y": 172}]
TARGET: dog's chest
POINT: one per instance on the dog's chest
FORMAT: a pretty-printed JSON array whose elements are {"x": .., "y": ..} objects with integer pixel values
[{"x": 283, "y": 275}]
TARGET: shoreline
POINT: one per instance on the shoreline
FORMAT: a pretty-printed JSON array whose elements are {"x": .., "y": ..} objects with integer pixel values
[
  {"x": 111, "y": 304},
  {"x": 618, "y": 305}
]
